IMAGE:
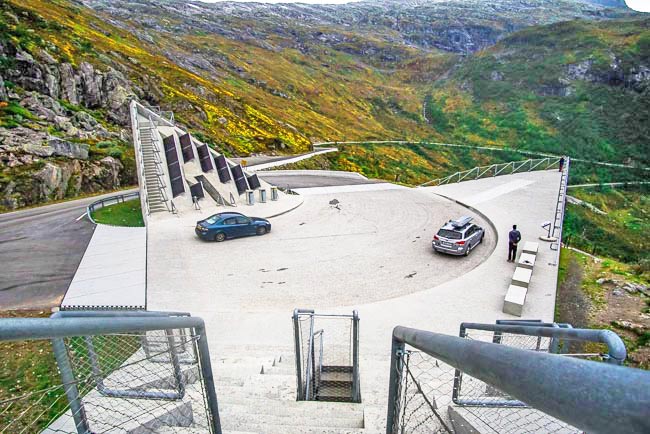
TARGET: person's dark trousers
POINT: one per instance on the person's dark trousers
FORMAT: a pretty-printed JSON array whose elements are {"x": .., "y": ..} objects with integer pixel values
[{"x": 512, "y": 251}]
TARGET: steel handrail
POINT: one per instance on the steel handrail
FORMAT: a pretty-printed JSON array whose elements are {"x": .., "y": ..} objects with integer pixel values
[
  {"x": 139, "y": 154},
  {"x": 56, "y": 329},
  {"x": 560, "y": 207},
  {"x": 310, "y": 359},
  {"x": 592, "y": 396},
  {"x": 498, "y": 168},
  {"x": 616, "y": 355}
]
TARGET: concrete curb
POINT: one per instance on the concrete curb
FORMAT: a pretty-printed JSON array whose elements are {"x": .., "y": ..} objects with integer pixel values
[{"x": 286, "y": 211}]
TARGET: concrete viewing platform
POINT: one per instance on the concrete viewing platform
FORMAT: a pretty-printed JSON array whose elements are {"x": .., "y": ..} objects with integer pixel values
[{"x": 364, "y": 246}]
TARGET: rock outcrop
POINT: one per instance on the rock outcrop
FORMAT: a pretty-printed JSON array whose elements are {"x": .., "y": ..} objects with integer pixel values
[{"x": 84, "y": 86}]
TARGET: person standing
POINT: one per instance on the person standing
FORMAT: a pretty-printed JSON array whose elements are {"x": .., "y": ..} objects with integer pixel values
[
  {"x": 561, "y": 163},
  {"x": 513, "y": 239}
]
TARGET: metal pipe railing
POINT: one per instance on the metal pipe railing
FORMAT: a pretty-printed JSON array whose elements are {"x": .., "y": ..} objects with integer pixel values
[
  {"x": 499, "y": 168},
  {"x": 616, "y": 348},
  {"x": 592, "y": 396},
  {"x": 560, "y": 207},
  {"x": 68, "y": 324},
  {"x": 356, "y": 380}
]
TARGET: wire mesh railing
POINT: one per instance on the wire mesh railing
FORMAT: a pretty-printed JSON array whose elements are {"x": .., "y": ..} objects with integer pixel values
[
  {"x": 476, "y": 384},
  {"x": 495, "y": 170},
  {"x": 327, "y": 354},
  {"x": 111, "y": 374}
]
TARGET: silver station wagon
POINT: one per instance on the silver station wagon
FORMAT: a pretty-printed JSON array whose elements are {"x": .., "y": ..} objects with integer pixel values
[{"x": 458, "y": 237}]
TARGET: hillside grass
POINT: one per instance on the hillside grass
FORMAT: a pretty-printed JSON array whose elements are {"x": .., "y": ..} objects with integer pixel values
[
  {"x": 620, "y": 233},
  {"x": 127, "y": 213}
]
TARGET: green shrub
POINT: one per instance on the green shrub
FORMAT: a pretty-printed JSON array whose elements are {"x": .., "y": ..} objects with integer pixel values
[{"x": 116, "y": 153}]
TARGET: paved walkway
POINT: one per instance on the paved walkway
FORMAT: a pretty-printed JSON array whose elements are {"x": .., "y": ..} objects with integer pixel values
[
  {"x": 263, "y": 163},
  {"x": 112, "y": 272}
]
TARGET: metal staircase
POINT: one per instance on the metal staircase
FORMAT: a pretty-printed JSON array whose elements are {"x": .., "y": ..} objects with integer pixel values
[{"x": 153, "y": 172}]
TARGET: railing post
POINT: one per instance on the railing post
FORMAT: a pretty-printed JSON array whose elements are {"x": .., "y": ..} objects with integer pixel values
[
  {"x": 208, "y": 379},
  {"x": 356, "y": 395},
  {"x": 396, "y": 351},
  {"x": 296, "y": 338},
  {"x": 71, "y": 389}
]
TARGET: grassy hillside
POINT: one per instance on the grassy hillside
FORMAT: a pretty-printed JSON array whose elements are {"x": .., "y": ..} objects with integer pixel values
[
  {"x": 243, "y": 97},
  {"x": 575, "y": 87},
  {"x": 616, "y": 228},
  {"x": 579, "y": 88}
]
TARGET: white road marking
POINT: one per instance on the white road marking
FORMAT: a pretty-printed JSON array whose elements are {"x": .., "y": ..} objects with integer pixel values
[{"x": 80, "y": 217}]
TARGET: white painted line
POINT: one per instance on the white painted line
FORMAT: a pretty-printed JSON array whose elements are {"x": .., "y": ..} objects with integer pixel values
[{"x": 80, "y": 217}]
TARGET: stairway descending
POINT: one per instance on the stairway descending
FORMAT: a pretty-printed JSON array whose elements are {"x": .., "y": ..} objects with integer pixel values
[
  {"x": 154, "y": 195},
  {"x": 258, "y": 395}
]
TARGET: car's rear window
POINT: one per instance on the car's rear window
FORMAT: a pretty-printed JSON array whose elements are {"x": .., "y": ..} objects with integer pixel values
[
  {"x": 453, "y": 235},
  {"x": 212, "y": 220}
]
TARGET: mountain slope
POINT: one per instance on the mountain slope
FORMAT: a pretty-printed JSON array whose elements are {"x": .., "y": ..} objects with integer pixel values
[{"x": 251, "y": 78}]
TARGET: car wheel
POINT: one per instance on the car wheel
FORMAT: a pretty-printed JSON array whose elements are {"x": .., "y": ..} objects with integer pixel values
[
  {"x": 261, "y": 230},
  {"x": 469, "y": 247},
  {"x": 481, "y": 240},
  {"x": 220, "y": 237}
]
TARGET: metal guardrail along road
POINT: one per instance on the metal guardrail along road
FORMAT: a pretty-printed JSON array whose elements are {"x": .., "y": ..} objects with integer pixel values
[{"x": 113, "y": 200}]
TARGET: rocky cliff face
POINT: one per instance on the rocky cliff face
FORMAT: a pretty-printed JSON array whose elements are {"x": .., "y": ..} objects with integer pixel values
[{"x": 60, "y": 127}]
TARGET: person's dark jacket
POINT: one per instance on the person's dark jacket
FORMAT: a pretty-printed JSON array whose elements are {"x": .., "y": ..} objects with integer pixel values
[{"x": 514, "y": 236}]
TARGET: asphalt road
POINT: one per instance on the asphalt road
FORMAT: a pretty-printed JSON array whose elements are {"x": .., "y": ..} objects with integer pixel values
[{"x": 40, "y": 250}]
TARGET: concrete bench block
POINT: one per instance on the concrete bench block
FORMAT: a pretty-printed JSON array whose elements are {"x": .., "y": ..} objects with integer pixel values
[
  {"x": 521, "y": 277},
  {"x": 526, "y": 260},
  {"x": 531, "y": 247},
  {"x": 513, "y": 303}
]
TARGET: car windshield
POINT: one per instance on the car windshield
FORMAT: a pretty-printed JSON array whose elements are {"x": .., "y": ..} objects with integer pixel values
[
  {"x": 211, "y": 220},
  {"x": 445, "y": 233}
]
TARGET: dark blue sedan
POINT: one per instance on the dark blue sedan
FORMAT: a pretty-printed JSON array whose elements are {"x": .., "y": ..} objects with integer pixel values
[{"x": 230, "y": 225}]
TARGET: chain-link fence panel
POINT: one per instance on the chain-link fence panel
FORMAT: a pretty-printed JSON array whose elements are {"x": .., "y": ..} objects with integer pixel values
[
  {"x": 434, "y": 397},
  {"x": 128, "y": 382},
  {"x": 326, "y": 346}
]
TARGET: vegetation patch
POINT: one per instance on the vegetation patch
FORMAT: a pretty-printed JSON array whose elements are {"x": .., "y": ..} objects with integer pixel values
[
  {"x": 615, "y": 225},
  {"x": 127, "y": 213},
  {"x": 605, "y": 294},
  {"x": 28, "y": 372}
]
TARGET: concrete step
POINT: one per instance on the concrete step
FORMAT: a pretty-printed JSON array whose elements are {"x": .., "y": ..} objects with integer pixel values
[
  {"x": 241, "y": 420},
  {"x": 105, "y": 414},
  {"x": 285, "y": 407},
  {"x": 140, "y": 373},
  {"x": 264, "y": 428}
]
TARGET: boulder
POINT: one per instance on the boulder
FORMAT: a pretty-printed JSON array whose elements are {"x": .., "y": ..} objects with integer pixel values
[
  {"x": 50, "y": 179},
  {"x": 84, "y": 121},
  {"x": 64, "y": 148}
]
